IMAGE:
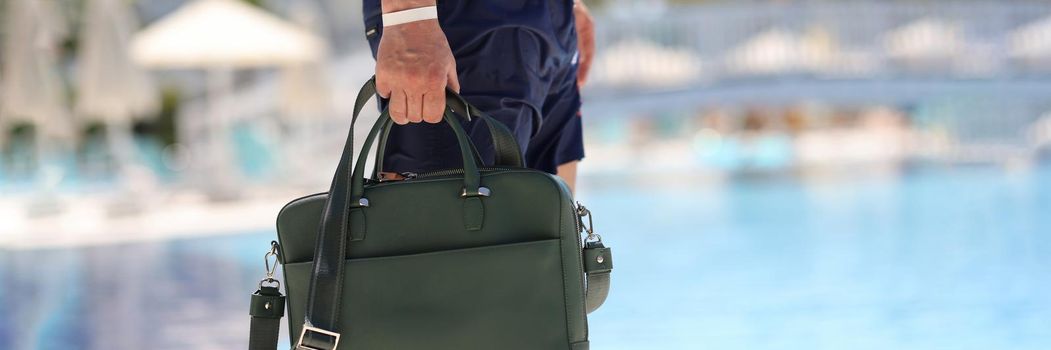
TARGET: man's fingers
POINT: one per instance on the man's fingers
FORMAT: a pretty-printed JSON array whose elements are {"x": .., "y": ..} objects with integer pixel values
[
  {"x": 585, "y": 41},
  {"x": 454, "y": 80},
  {"x": 398, "y": 107},
  {"x": 382, "y": 88},
  {"x": 411, "y": 61},
  {"x": 587, "y": 55},
  {"x": 433, "y": 106},
  {"x": 582, "y": 72},
  {"x": 415, "y": 111},
  {"x": 583, "y": 66}
]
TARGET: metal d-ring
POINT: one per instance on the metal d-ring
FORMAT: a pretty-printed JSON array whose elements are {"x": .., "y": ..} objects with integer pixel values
[{"x": 277, "y": 284}]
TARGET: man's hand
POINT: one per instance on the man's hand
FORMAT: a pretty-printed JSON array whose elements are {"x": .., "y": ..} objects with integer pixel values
[
  {"x": 413, "y": 67},
  {"x": 585, "y": 40}
]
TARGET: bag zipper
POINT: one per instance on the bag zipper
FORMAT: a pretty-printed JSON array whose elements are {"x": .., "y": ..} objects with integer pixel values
[
  {"x": 411, "y": 175},
  {"x": 408, "y": 175}
]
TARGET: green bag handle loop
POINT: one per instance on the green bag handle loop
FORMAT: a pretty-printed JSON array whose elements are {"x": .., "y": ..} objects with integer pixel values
[
  {"x": 508, "y": 152},
  {"x": 472, "y": 178},
  {"x": 381, "y": 150}
]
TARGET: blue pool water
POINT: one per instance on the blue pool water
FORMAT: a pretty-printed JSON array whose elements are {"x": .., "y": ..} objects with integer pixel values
[{"x": 933, "y": 259}]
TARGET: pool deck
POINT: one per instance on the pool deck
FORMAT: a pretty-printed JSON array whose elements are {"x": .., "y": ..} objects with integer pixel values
[{"x": 70, "y": 221}]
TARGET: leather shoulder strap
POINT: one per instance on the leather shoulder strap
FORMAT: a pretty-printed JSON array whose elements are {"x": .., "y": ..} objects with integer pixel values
[
  {"x": 326, "y": 281},
  {"x": 598, "y": 265},
  {"x": 267, "y": 308}
]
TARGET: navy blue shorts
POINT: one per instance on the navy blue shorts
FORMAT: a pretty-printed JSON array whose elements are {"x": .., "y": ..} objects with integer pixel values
[{"x": 516, "y": 60}]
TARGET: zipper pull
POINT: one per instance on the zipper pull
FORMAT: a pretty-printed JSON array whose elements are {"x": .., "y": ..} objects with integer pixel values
[{"x": 386, "y": 177}]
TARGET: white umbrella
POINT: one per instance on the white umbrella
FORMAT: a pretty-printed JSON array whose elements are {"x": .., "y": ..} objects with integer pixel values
[
  {"x": 777, "y": 51},
  {"x": 110, "y": 87},
  {"x": 1032, "y": 42},
  {"x": 113, "y": 90},
  {"x": 223, "y": 33},
  {"x": 220, "y": 35},
  {"x": 927, "y": 40},
  {"x": 637, "y": 61},
  {"x": 772, "y": 51},
  {"x": 32, "y": 89}
]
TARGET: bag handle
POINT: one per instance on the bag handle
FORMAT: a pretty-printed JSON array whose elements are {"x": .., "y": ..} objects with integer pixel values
[
  {"x": 507, "y": 151},
  {"x": 472, "y": 178}
]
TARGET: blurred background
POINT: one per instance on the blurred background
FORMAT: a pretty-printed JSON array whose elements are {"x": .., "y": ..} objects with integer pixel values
[{"x": 772, "y": 174}]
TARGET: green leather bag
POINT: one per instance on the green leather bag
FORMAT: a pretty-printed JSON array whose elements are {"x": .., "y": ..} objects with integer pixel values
[{"x": 471, "y": 258}]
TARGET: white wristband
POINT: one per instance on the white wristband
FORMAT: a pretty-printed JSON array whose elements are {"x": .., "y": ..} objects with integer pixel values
[{"x": 410, "y": 15}]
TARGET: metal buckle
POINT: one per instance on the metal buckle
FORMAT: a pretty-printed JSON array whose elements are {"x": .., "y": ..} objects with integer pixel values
[
  {"x": 482, "y": 192},
  {"x": 303, "y": 334}
]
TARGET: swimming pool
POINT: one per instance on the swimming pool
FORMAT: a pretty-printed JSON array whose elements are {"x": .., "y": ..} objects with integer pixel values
[{"x": 923, "y": 259}]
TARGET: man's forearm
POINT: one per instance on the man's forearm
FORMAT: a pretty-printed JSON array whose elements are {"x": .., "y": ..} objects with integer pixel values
[{"x": 389, "y": 6}]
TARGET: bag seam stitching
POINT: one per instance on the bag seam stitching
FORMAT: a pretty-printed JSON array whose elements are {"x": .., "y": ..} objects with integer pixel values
[
  {"x": 508, "y": 245},
  {"x": 565, "y": 280}
]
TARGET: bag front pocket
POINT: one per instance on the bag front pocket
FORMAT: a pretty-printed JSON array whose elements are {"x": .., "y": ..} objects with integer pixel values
[{"x": 498, "y": 297}]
